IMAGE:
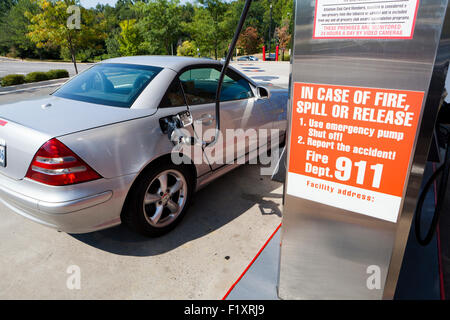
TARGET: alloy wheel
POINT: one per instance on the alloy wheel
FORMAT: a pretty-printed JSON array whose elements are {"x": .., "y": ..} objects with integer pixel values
[{"x": 165, "y": 198}]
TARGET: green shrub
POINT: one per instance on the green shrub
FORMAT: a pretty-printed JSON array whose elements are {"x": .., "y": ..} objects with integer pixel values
[
  {"x": 187, "y": 48},
  {"x": 57, "y": 74},
  {"x": 36, "y": 76},
  {"x": 287, "y": 57},
  {"x": 12, "y": 79},
  {"x": 105, "y": 56}
]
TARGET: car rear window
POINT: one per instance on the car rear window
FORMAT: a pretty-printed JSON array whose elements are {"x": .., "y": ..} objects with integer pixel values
[{"x": 111, "y": 84}]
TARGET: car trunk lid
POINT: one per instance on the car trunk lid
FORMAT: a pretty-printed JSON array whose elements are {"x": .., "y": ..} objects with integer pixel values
[{"x": 25, "y": 126}]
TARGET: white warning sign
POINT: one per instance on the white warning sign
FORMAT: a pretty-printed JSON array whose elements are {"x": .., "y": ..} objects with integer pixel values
[{"x": 365, "y": 19}]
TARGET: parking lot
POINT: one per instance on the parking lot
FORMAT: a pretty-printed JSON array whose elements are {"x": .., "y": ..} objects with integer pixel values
[
  {"x": 223, "y": 230},
  {"x": 227, "y": 224},
  {"x": 17, "y": 66}
]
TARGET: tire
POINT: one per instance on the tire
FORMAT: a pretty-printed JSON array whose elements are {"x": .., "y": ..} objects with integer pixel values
[{"x": 162, "y": 209}]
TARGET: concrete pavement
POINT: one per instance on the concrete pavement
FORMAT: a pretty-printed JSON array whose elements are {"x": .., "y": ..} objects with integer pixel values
[
  {"x": 227, "y": 224},
  {"x": 224, "y": 229},
  {"x": 10, "y": 66},
  {"x": 29, "y": 93},
  {"x": 269, "y": 73},
  {"x": 264, "y": 72}
]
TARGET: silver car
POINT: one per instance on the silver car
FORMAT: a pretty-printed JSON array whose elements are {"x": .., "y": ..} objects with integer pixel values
[
  {"x": 94, "y": 153},
  {"x": 247, "y": 58}
]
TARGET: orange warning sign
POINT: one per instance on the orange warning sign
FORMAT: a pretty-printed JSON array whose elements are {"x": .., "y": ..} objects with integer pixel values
[{"x": 351, "y": 146}]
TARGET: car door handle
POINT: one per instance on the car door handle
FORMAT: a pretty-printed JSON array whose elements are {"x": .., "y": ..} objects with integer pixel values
[{"x": 206, "y": 119}]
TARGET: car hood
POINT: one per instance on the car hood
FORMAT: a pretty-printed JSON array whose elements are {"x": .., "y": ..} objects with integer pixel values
[{"x": 55, "y": 116}]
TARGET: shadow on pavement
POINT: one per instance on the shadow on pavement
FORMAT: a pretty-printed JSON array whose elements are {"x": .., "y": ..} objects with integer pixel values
[{"x": 213, "y": 207}]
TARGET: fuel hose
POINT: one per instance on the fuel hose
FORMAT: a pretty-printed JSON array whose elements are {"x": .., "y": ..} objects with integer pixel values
[
  {"x": 224, "y": 69},
  {"x": 442, "y": 171}
]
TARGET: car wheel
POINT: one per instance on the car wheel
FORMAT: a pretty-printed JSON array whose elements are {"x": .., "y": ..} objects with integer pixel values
[{"x": 159, "y": 200}]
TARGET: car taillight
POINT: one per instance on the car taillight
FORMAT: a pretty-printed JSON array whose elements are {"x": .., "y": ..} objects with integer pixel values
[{"x": 57, "y": 165}]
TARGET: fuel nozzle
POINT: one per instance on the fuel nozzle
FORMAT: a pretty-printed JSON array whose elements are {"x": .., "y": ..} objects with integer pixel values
[{"x": 173, "y": 126}]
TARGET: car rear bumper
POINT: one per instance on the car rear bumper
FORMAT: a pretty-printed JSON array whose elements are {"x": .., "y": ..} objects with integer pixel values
[{"x": 81, "y": 208}]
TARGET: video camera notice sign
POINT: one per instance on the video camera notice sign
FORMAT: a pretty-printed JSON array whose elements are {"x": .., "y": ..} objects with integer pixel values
[
  {"x": 365, "y": 19},
  {"x": 350, "y": 146}
]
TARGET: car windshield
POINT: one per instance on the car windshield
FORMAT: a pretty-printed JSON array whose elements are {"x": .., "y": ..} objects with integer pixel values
[{"x": 109, "y": 84}]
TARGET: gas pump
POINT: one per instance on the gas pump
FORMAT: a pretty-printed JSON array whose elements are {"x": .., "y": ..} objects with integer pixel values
[
  {"x": 442, "y": 175},
  {"x": 367, "y": 83}
]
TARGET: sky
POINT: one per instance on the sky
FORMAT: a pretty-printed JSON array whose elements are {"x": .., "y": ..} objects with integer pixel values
[{"x": 93, "y": 3}]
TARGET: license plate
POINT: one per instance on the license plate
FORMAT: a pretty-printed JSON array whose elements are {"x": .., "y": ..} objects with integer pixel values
[{"x": 2, "y": 155}]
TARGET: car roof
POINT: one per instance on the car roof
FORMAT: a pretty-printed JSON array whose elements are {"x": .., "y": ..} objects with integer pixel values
[{"x": 172, "y": 62}]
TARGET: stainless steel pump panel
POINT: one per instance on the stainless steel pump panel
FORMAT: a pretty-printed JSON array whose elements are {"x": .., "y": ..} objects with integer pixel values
[{"x": 360, "y": 78}]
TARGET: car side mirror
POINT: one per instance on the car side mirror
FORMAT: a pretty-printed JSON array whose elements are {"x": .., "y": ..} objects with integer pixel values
[{"x": 263, "y": 92}]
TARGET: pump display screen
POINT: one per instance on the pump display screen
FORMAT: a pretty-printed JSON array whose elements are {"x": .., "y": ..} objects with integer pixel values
[{"x": 350, "y": 147}]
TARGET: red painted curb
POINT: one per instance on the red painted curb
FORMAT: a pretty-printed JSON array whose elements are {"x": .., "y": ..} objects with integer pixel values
[{"x": 254, "y": 259}]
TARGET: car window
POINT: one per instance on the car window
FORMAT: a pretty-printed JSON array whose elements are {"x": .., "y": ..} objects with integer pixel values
[
  {"x": 109, "y": 84},
  {"x": 174, "y": 96},
  {"x": 200, "y": 85}
]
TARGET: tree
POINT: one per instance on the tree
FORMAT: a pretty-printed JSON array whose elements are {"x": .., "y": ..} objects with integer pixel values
[
  {"x": 130, "y": 39},
  {"x": 14, "y": 27},
  {"x": 249, "y": 40},
  {"x": 5, "y": 5},
  {"x": 220, "y": 32},
  {"x": 255, "y": 16},
  {"x": 284, "y": 37},
  {"x": 124, "y": 9},
  {"x": 49, "y": 27},
  {"x": 209, "y": 28},
  {"x": 159, "y": 22},
  {"x": 200, "y": 30},
  {"x": 162, "y": 26},
  {"x": 281, "y": 10},
  {"x": 186, "y": 16},
  {"x": 112, "y": 16},
  {"x": 187, "y": 48}
]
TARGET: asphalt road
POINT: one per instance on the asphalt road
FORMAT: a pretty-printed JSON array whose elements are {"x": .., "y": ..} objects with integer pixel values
[
  {"x": 228, "y": 223},
  {"x": 268, "y": 72},
  {"x": 27, "y": 94},
  {"x": 9, "y": 66}
]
